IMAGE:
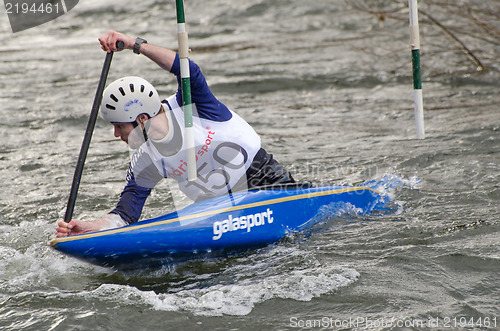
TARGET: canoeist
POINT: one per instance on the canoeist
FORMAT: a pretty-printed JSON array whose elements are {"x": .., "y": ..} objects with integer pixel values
[{"x": 229, "y": 156}]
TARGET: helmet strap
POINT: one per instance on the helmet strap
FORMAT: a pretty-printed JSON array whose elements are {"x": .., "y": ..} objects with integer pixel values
[{"x": 135, "y": 124}]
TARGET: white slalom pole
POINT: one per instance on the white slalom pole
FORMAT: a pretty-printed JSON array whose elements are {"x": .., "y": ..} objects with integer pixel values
[
  {"x": 417, "y": 76},
  {"x": 186, "y": 91}
]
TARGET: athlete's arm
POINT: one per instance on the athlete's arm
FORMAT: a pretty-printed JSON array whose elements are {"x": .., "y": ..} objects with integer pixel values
[
  {"x": 142, "y": 177},
  {"x": 132, "y": 200},
  {"x": 161, "y": 56},
  {"x": 206, "y": 104},
  {"x": 127, "y": 211}
]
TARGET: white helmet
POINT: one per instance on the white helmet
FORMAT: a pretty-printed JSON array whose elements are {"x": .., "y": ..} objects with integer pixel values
[{"x": 128, "y": 97}]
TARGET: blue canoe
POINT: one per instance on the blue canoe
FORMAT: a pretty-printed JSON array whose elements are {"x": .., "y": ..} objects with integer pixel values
[{"x": 219, "y": 226}]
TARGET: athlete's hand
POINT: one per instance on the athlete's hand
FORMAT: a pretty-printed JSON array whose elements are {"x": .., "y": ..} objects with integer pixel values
[
  {"x": 74, "y": 227},
  {"x": 109, "y": 39},
  {"x": 66, "y": 229}
]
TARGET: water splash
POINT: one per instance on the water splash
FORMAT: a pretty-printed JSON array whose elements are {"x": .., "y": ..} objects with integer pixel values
[
  {"x": 238, "y": 298},
  {"x": 389, "y": 183}
]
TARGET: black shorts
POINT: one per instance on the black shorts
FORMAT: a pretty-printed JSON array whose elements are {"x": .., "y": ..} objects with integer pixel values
[{"x": 265, "y": 171}]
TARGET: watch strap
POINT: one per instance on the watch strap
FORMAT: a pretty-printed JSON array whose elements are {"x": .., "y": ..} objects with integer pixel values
[{"x": 138, "y": 42}]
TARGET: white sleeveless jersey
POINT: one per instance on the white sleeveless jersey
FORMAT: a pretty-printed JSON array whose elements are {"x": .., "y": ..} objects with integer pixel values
[{"x": 224, "y": 151}]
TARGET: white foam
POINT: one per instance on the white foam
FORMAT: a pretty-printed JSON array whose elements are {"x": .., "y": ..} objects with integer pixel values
[
  {"x": 238, "y": 298},
  {"x": 27, "y": 263}
]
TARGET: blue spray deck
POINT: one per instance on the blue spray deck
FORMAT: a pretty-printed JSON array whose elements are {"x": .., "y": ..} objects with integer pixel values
[{"x": 216, "y": 227}]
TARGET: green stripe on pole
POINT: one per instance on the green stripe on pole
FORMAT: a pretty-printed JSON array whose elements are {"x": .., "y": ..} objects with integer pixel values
[
  {"x": 180, "y": 11},
  {"x": 417, "y": 76},
  {"x": 186, "y": 101}
]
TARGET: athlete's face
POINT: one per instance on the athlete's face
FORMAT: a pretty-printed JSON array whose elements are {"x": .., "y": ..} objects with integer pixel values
[{"x": 122, "y": 130}]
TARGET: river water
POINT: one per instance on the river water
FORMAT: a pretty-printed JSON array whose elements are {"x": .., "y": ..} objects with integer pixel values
[{"x": 328, "y": 87}]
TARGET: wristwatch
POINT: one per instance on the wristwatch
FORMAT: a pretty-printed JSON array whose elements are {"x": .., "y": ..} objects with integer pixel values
[{"x": 137, "y": 45}]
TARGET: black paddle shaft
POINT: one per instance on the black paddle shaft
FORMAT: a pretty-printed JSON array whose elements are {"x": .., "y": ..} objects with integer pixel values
[{"x": 88, "y": 135}]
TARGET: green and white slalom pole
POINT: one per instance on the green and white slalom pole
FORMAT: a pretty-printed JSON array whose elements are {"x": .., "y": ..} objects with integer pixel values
[
  {"x": 186, "y": 90},
  {"x": 417, "y": 76}
]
